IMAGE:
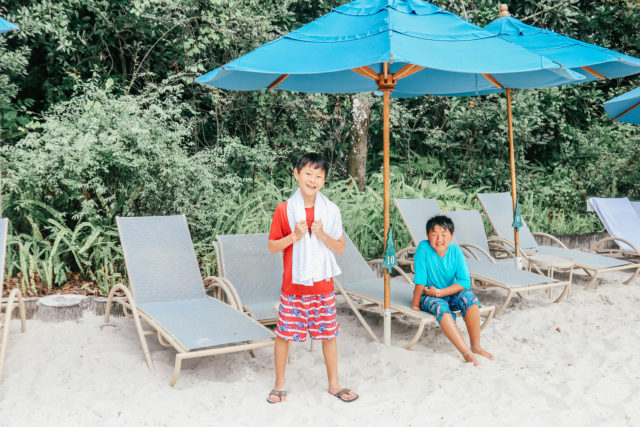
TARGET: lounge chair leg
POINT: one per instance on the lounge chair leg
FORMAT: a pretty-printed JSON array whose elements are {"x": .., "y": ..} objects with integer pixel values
[
  {"x": 16, "y": 294},
  {"x": 633, "y": 276},
  {"x": 176, "y": 370},
  {"x": 136, "y": 319},
  {"x": 418, "y": 334},
  {"x": 5, "y": 336},
  {"x": 506, "y": 301},
  {"x": 593, "y": 280},
  {"x": 356, "y": 311},
  {"x": 488, "y": 318}
]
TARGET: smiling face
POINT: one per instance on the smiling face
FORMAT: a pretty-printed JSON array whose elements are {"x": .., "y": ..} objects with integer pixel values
[
  {"x": 310, "y": 180},
  {"x": 439, "y": 239}
]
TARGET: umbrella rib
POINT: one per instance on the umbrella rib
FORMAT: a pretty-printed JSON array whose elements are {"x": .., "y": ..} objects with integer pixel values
[
  {"x": 592, "y": 71},
  {"x": 625, "y": 111},
  {"x": 277, "y": 81},
  {"x": 406, "y": 71},
  {"x": 492, "y": 80},
  {"x": 366, "y": 71}
]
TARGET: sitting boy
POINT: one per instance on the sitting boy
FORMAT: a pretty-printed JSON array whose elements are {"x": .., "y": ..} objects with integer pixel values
[
  {"x": 442, "y": 284},
  {"x": 307, "y": 228}
]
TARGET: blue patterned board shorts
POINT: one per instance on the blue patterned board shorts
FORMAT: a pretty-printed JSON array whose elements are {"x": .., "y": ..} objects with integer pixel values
[{"x": 439, "y": 306}]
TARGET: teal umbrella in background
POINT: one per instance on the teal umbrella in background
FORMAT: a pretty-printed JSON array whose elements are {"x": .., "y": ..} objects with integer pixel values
[
  {"x": 624, "y": 108},
  {"x": 401, "y": 48},
  {"x": 6, "y": 26},
  {"x": 591, "y": 61}
]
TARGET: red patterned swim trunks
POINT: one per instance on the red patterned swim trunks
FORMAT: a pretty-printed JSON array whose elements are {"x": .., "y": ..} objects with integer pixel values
[{"x": 315, "y": 314}]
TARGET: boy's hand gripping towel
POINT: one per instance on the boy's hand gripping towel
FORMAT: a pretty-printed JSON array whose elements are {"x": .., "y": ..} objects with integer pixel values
[{"x": 312, "y": 260}]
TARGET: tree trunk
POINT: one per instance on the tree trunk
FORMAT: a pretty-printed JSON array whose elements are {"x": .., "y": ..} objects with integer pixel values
[{"x": 357, "y": 165}]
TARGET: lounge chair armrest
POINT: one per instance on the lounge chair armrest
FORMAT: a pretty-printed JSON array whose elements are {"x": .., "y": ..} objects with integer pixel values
[
  {"x": 215, "y": 282},
  {"x": 404, "y": 275},
  {"x": 471, "y": 249},
  {"x": 550, "y": 237},
  {"x": 395, "y": 267},
  {"x": 600, "y": 242},
  {"x": 403, "y": 253}
]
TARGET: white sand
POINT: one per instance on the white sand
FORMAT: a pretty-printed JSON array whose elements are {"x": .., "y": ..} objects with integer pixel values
[{"x": 573, "y": 363}]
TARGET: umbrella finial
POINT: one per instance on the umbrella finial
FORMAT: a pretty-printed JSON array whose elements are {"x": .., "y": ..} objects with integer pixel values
[{"x": 504, "y": 11}]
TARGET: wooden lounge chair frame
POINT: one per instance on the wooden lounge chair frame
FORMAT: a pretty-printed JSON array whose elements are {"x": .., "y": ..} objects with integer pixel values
[
  {"x": 602, "y": 247},
  {"x": 14, "y": 300},
  {"x": 507, "y": 245}
]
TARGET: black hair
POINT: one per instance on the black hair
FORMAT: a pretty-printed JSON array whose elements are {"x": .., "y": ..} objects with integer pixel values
[
  {"x": 441, "y": 220},
  {"x": 314, "y": 159}
]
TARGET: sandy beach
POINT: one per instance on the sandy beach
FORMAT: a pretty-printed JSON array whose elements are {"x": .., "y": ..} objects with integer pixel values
[{"x": 572, "y": 363}]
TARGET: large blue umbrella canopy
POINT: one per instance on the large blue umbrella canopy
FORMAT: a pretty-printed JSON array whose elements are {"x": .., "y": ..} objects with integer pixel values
[
  {"x": 401, "y": 47},
  {"x": 624, "y": 108},
  {"x": 6, "y": 26},
  {"x": 344, "y": 52},
  {"x": 593, "y": 62}
]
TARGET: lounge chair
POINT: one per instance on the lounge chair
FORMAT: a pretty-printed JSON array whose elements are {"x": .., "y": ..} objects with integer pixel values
[
  {"x": 470, "y": 235},
  {"x": 499, "y": 209},
  {"x": 14, "y": 295},
  {"x": 622, "y": 220},
  {"x": 254, "y": 273},
  {"x": 358, "y": 280},
  {"x": 167, "y": 292}
]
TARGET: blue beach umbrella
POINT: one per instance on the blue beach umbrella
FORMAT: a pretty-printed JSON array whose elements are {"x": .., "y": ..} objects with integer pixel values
[
  {"x": 591, "y": 61},
  {"x": 403, "y": 47},
  {"x": 624, "y": 107},
  {"x": 6, "y": 26}
]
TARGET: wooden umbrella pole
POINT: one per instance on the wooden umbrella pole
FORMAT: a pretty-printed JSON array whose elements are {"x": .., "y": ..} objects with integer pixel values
[
  {"x": 512, "y": 158},
  {"x": 386, "y": 84}
]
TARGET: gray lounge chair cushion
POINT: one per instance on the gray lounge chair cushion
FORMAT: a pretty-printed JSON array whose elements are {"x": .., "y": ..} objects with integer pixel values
[
  {"x": 167, "y": 286},
  {"x": 255, "y": 273},
  {"x": 160, "y": 258},
  {"x": 204, "y": 322},
  {"x": 416, "y": 213},
  {"x": 506, "y": 275},
  {"x": 353, "y": 265},
  {"x": 619, "y": 218},
  {"x": 499, "y": 206}
]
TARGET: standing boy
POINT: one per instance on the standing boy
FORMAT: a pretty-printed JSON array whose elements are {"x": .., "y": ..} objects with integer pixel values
[
  {"x": 442, "y": 284},
  {"x": 308, "y": 229}
]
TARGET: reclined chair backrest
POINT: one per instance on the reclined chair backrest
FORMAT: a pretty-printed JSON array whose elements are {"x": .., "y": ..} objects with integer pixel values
[
  {"x": 499, "y": 209},
  {"x": 619, "y": 218},
  {"x": 636, "y": 206},
  {"x": 416, "y": 213},
  {"x": 353, "y": 265},
  {"x": 255, "y": 273},
  {"x": 160, "y": 258},
  {"x": 469, "y": 228}
]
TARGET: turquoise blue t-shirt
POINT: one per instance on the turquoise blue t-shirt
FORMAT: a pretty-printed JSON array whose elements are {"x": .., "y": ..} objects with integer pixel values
[{"x": 441, "y": 272}]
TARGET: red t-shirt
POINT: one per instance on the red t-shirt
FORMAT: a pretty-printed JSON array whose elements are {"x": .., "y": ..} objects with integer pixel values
[{"x": 279, "y": 229}]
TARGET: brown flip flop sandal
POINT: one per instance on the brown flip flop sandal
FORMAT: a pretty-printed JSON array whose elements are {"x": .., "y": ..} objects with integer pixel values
[
  {"x": 278, "y": 393},
  {"x": 344, "y": 391}
]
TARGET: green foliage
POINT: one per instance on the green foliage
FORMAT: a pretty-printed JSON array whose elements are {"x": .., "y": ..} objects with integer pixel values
[{"x": 99, "y": 117}]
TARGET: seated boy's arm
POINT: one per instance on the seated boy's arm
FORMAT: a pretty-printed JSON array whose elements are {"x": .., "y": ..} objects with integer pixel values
[
  {"x": 450, "y": 290},
  {"x": 417, "y": 294}
]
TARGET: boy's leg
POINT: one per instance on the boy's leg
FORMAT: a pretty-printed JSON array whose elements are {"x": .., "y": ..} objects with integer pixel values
[
  {"x": 472, "y": 319},
  {"x": 280, "y": 353},
  {"x": 330, "y": 352},
  {"x": 451, "y": 331},
  {"x": 439, "y": 307},
  {"x": 468, "y": 303}
]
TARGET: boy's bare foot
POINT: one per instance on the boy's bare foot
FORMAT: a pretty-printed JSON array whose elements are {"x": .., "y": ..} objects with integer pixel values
[
  {"x": 347, "y": 396},
  {"x": 470, "y": 358},
  {"x": 479, "y": 350}
]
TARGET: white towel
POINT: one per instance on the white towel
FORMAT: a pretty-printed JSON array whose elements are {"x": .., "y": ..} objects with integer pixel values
[{"x": 313, "y": 261}]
